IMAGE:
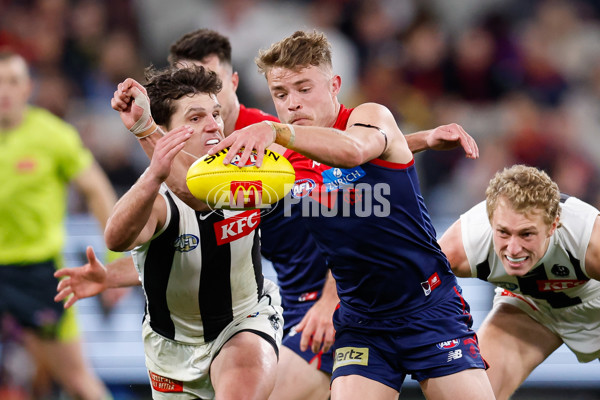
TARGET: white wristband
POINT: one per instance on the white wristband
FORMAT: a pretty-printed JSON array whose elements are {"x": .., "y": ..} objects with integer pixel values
[{"x": 145, "y": 122}]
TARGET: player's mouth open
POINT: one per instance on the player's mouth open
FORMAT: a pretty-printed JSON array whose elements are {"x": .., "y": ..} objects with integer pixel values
[{"x": 212, "y": 142}]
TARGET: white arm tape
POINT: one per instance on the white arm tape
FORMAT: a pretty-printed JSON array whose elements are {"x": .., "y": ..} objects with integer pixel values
[{"x": 142, "y": 101}]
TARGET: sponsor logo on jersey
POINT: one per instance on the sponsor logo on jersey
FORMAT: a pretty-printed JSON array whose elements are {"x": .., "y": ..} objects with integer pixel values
[
  {"x": 253, "y": 315},
  {"x": 236, "y": 227},
  {"x": 559, "y": 270},
  {"x": 186, "y": 242},
  {"x": 433, "y": 282},
  {"x": 559, "y": 284},
  {"x": 243, "y": 194},
  {"x": 351, "y": 356},
  {"x": 448, "y": 344},
  {"x": 26, "y": 165},
  {"x": 336, "y": 178},
  {"x": 508, "y": 285},
  {"x": 165, "y": 385},
  {"x": 303, "y": 187},
  {"x": 308, "y": 296}
]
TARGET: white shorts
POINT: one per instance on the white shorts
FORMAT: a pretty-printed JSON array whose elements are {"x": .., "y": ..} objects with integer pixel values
[
  {"x": 578, "y": 326},
  {"x": 181, "y": 370}
]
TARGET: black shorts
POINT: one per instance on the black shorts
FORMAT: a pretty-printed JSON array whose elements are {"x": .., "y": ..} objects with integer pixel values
[{"x": 27, "y": 294}]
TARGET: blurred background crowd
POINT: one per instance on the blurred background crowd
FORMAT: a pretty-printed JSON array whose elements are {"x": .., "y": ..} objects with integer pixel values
[{"x": 521, "y": 76}]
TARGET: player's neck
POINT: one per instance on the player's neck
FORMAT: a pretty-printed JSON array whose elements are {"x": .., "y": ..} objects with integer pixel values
[{"x": 231, "y": 119}]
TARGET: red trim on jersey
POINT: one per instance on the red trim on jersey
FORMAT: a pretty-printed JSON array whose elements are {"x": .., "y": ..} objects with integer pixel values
[
  {"x": 249, "y": 116},
  {"x": 393, "y": 165}
]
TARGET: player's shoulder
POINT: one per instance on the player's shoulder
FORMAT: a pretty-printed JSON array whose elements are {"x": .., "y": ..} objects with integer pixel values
[
  {"x": 576, "y": 214},
  {"x": 249, "y": 116}
]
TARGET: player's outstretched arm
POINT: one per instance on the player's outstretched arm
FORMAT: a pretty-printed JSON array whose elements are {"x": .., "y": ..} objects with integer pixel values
[
  {"x": 93, "y": 278},
  {"x": 444, "y": 137},
  {"x": 317, "y": 325},
  {"x": 372, "y": 133}
]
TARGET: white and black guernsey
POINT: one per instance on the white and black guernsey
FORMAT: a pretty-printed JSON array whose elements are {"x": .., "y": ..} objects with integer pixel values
[
  {"x": 559, "y": 279},
  {"x": 199, "y": 272}
]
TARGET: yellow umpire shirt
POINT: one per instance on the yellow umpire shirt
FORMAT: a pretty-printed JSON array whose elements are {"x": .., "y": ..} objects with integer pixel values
[{"x": 37, "y": 161}]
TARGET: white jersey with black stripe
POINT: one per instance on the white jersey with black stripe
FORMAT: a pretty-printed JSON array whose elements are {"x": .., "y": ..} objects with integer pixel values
[
  {"x": 200, "y": 271},
  {"x": 559, "y": 279}
]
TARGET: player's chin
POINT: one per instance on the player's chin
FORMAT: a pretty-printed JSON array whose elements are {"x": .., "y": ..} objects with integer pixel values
[{"x": 517, "y": 270}]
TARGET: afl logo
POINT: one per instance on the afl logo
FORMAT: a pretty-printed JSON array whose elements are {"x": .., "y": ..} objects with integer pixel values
[
  {"x": 450, "y": 344},
  {"x": 186, "y": 242},
  {"x": 251, "y": 160},
  {"x": 303, "y": 187}
]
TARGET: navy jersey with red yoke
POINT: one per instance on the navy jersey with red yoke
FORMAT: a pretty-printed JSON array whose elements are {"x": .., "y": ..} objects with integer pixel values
[
  {"x": 372, "y": 224},
  {"x": 286, "y": 242}
]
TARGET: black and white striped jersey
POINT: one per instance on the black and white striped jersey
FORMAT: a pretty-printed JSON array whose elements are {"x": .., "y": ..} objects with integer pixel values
[
  {"x": 199, "y": 271},
  {"x": 559, "y": 279}
]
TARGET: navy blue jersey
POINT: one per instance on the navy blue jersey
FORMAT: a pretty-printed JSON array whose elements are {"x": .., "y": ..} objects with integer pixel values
[
  {"x": 285, "y": 240},
  {"x": 300, "y": 267},
  {"x": 372, "y": 224}
]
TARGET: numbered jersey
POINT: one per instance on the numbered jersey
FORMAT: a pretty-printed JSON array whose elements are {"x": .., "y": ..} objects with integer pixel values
[{"x": 559, "y": 279}]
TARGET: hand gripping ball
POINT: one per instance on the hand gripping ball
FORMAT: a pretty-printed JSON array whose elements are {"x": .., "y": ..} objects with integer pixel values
[{"x": 231, "y": 187}]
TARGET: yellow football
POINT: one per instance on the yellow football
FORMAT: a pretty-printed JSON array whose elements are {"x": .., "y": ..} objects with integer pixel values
[{"x": 233, "y": 188}]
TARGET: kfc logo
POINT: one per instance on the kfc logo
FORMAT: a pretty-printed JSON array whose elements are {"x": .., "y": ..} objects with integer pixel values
[{"x": 237, "y": 227}]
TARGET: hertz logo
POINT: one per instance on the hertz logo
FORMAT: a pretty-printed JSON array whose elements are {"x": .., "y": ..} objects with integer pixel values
[{"x": 351, "y": 356}]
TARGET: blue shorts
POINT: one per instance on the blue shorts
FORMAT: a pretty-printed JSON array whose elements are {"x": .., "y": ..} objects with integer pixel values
[
  {"x": 434, "y": 342},
  {"x": 27, "y": 294},
  {"x": 291, "y": 339}
]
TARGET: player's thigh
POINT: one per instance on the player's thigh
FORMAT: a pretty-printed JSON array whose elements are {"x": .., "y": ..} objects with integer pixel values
[
  {"x": 356, "y": 387},
  {"x": 472, "y": 384},
  {"x": 246, "y": 357},
  {"x": 514, "y": 344},
  {"x": 299, "y": 380}
]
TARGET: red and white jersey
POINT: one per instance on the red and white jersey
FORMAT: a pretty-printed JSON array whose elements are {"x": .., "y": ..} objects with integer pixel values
[
  {"x": 559, "y": 279},
  {"x": 200, "y": 271}
]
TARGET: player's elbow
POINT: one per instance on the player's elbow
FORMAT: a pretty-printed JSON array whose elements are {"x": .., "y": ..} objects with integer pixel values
[
  {"x": 351, "y": 157},
  {"x": 116, "y": 240}
]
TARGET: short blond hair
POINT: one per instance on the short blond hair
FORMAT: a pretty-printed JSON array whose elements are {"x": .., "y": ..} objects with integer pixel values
[
  {"x": 300, "y": 50},
  {"x": 525, "y": 188}
]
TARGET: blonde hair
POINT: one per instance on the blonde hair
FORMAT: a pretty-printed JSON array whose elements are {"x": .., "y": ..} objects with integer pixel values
[
  {"x": 295, "y": 52},
  {"x": 525, "y": 188}
]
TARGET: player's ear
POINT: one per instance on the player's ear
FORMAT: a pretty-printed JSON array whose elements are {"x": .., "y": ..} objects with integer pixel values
[
  {"x": 335, "y": 84},
  {"x": 553, "y": 227},
  {"x": 235, "y": 80}
]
